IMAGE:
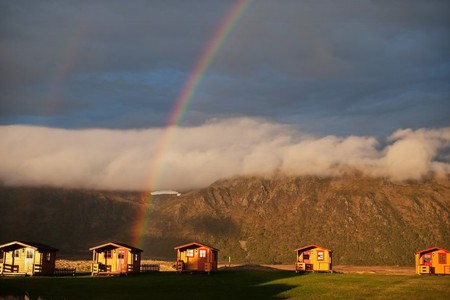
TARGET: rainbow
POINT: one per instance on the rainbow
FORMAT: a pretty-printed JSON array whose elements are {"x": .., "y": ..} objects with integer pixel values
[{"x": 197, "y": 75}]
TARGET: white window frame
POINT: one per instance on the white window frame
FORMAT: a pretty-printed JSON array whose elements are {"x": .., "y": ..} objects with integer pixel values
[
  {"x": 202, "y": 253},
  {"x": 320, "y": 255}
]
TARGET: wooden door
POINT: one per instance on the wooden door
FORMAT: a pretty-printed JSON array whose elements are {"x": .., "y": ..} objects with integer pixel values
[
  {"x": 121, "y": 261},
  {"x": 202, "y": 258},
  {"x": 29, "y": 260}
]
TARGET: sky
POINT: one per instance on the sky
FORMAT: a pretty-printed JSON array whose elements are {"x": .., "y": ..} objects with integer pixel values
[{"x": 88, "y": 89}]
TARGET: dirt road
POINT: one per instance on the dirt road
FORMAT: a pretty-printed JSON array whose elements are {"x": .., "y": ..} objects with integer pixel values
[{"x": 167, "y": 266}]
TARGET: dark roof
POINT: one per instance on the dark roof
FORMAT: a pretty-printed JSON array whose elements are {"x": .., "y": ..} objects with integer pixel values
[
  {"x": 431, "y": 250},
  {"x": 311, "y": 247},
  {"x": 25, "y": 244},
  {"x": 195, "y": 244},
  {"x": 113, "y": 245}
]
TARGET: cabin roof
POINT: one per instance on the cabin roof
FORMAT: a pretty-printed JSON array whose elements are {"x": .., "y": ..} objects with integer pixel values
[
  {"x": 22, "y": 244},
  {"x": 114, "y": 245},
  {"x": 311, "y": 247},
  {"x": 195, "y": 244},
  {"x": 431, "y": 250}
]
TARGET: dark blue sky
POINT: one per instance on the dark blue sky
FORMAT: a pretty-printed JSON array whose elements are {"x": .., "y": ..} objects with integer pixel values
[{"x": 325, "y": 67}]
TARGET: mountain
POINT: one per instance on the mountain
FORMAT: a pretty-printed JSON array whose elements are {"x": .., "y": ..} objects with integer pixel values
[
  {"x": 70, "y": 220},
  {"x": 365, "y": 221}
]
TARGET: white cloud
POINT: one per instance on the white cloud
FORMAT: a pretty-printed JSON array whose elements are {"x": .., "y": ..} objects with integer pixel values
[
  {"x": 197, "y": 156},
  {"x": 411, "y": 154}
]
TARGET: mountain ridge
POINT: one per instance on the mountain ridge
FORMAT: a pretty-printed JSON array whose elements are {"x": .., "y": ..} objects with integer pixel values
[{"x": 252, "y": 219}]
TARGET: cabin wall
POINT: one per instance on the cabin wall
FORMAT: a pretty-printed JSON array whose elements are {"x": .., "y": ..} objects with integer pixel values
[
  {"x": 320, "y": 259},
  {"x": 195, "y": 262},
  {"x": 190, "y": 262},
  {"x": 213, "y": 258},
  {"x": 37, "y": 261},
  {"x": 48, "y": 262},
  {"x": 135, "y": 260},
  {"x": 129, "y": 261},
  {"x": 24, "y": 258},
  {"x": 17, "y": 258},
  {"x": 28, "y": 259},
  {"x": 112, "y": 260},
  {"x": 438, "y": 262},
  {"x": 417, "y": 262},
  {"x": 108, "y": 259},
  {"x": 8, "y": 257}
]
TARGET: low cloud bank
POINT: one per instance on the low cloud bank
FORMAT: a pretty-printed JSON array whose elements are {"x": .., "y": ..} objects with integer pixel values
[{"x": 198, "y": 156}]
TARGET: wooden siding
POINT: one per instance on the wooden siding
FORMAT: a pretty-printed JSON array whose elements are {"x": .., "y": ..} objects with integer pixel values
[
  {"x": 29, "y": 261},
  {"x": 197, "y": 257},
  {"x": 108, "y": 260},
  {"x": 314, "y": 258},
  {"x": 433, "y": 261}
]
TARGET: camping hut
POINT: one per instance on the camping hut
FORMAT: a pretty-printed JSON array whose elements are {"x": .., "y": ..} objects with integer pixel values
[
  {"x": 313, "y": 258},
  {"x": 194, "y": 257},
  {"x": 27, "y": 258},
  {"x": 115, "y": 259},
  {"x": 433, "y": 260}
]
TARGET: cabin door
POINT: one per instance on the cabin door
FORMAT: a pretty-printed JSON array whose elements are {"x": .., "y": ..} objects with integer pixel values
[
  {"x": 29, "y": 259},
  {"x": 121, "y": 261},
  {"x": 427, "y": 259},
  {"x": 202, "y": 259}
]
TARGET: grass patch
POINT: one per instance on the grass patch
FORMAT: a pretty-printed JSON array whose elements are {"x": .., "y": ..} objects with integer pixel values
[
  {"x": 244, "y": 284},
  {"x": 362, "y": 286}
]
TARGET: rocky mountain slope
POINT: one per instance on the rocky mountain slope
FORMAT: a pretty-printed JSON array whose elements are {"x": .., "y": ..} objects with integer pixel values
[
  {"x": 363, "y": 220},
  {"x": 70, "y": 220}
]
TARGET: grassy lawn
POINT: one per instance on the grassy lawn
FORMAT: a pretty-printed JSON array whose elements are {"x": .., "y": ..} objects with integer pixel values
[{"x": 231, "y": 285}]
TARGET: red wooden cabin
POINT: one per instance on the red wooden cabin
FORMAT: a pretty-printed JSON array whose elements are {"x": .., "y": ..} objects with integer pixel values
[{"x": 196, "y": 257}]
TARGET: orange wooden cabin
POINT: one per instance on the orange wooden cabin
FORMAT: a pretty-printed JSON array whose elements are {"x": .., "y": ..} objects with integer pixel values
[
  {"x": 433, "y": 260},
  {"x": 313, "y": 258},
  {"x": 115, "y": 259},
  {"x": 195, "y": 256},
  {"x": 27, "y": 258}
]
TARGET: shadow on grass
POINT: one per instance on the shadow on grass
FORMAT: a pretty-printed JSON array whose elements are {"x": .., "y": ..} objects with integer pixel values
[
  {"x": 251, "y": 267},
  {"x": 249, "y": 283}
]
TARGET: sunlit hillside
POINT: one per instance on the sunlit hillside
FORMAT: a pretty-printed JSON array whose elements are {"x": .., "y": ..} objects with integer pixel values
[{"x": 363, "y": 220}]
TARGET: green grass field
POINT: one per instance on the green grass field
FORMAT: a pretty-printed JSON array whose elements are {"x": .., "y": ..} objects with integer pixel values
[{"x": 243, "y": 284}]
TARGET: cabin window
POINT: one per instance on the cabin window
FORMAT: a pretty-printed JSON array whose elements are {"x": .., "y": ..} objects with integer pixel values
[
  {"x": 202, "y": 253},
  {"x": 29, "y": 254},
  {"x": 427, "y": 258},
  {"x": 135, "y": 257},
  {"x": 16, "y": 253},
  {"x": 49, "y": 256},
  {"x": 108, "y": 254},
  {"x": 190, "y": 252},
  {"x": 320, "y": 255},
  {"x": 121, "y": 255},
  {"x": 305, "y": 256},
  {"x": 442, "y": 258}
]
